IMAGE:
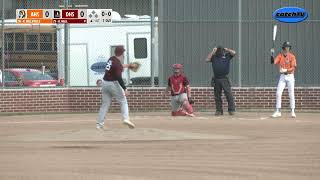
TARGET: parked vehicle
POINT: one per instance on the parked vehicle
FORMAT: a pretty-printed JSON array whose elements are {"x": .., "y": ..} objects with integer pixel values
[{"x": 28, "y": 77}]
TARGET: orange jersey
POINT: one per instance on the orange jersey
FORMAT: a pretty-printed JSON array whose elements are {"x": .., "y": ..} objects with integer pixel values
[{"x": 286, "y": 62}]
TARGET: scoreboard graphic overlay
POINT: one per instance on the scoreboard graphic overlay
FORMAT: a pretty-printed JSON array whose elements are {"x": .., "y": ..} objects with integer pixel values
[{"x": 71, "y": 16}]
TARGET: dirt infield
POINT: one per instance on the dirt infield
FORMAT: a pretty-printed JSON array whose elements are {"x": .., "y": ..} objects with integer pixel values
[{"x": 248, "y": 146}]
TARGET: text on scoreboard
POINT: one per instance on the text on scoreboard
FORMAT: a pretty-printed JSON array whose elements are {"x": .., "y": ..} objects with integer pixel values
[{"x": 72, "y": 16}]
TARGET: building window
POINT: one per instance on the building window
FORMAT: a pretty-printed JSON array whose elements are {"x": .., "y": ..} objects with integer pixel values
[
  {"x": 140, "y": 48},
  {"x": 45, "y": 42},
  {"x": 32, "y": 42},
  {"x": 8, "y": 41},
  {"x": 19, "y": 42}
]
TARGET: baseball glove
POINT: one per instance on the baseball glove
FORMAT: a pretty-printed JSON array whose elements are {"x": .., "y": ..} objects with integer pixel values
[
  {"x": 191, "y": 101},
  {"x": 99, "y": 82},
  {"x": 134, "y": 66}
]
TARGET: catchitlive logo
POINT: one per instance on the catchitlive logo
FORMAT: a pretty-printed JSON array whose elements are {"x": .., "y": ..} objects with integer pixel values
[{"x": 290, "y": 14}]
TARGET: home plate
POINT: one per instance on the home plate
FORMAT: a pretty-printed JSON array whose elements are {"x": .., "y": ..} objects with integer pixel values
[{"x": 119, "y": 135}]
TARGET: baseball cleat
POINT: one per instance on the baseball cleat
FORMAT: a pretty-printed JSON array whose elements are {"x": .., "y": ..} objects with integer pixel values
[
  {"x": 99, "y": 127},
  {"x": 276, "y": 114},
  {"x": 231, "y": 113},
  {"x": 293, "y": 115},
  {"x": 218, "y": 113},
  {"x": 128, "y": 123},
  {"x": 190, "y": 114}
]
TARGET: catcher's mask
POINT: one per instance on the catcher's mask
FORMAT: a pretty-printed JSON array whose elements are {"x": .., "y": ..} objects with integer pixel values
[
  {"x": 177, "y": 68},
  {"x": 286, "y": 44}
]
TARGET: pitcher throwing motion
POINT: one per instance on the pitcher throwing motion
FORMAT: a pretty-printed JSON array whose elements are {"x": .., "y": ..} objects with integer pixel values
[
  {"x": 113, "y": 86},
  {"x": 287, "y": 65}
]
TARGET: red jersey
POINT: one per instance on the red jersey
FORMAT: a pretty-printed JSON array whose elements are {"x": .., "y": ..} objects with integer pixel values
[{"x": 178, "y": 84}]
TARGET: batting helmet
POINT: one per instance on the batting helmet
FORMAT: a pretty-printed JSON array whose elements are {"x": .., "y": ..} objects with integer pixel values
[{"x": 286, "y": 44}]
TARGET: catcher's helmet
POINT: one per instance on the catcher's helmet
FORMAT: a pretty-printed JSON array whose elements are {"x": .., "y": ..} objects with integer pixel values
[
  {"x": 286, "y": 44},
  {"x": 177, "y": 68}
]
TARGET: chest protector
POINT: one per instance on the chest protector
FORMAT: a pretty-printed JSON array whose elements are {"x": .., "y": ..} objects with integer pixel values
[{"x": 177, "y": 86}]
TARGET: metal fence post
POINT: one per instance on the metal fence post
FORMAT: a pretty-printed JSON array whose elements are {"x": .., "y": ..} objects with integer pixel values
[
  {"x": 66, "y": 50},
  {"x": 2, "y": 49},
  {"x": 152, "y": 42},
  {"x": 239, "y": 43}
]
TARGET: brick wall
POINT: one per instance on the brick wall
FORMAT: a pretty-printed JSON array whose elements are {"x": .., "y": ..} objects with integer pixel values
[{"x": 145, "y": 99}]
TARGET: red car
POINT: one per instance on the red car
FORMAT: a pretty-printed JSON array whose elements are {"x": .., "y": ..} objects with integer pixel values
[{"x": 28, "y": 77}]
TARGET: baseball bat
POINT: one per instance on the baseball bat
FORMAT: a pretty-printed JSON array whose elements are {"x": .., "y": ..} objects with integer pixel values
[{"x": 274, "y": 35}]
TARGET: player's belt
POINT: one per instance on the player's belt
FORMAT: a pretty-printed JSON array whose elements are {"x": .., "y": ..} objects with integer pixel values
[
  {"x": 109, "y": 79},
  {"x": 221, "y": 77},
  {"x": 178, "y": 94}
]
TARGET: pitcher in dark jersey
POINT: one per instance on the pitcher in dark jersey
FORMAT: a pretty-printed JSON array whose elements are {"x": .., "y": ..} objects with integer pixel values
[{"x": 113, "y": 86}]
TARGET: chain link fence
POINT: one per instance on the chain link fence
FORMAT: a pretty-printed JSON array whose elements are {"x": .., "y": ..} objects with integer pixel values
[
  {"x": 37, "y": 56},
  {"x": 182, "y": 31},
  {"x": 28, "y": 52},
  {"x": 190, "y": 29}
]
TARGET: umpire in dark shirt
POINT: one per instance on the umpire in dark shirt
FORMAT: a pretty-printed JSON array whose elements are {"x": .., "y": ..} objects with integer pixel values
[{"x": 220, "y": 58}]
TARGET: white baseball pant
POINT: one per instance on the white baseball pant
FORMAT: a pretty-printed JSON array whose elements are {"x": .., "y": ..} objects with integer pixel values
[
  {"x": 286, "y": 80},
  {"x": 112, "y": 89}
]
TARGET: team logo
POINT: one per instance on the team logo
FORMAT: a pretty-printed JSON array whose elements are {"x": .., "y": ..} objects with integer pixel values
[
  {"x": 22, "y": 14},
  {"x": 56, "y": 14},
  {"x": 290, "y": 14},
  {"x": 100, "y": 65}
]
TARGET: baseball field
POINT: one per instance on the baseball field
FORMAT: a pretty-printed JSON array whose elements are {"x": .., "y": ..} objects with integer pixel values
[{"x": 248, "y": 146}]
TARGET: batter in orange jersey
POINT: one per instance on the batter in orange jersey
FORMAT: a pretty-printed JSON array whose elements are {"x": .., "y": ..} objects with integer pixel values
[{"x": 287, "y": 64}]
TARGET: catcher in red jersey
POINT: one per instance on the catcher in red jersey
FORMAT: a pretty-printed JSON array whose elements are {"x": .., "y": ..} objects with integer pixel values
[{"x": 180, "y": 90}]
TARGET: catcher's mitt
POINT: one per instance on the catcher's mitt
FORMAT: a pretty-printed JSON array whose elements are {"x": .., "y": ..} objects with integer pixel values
[
  {"x": 191, "y": 101},
  {"x": 134, "y": 66}
]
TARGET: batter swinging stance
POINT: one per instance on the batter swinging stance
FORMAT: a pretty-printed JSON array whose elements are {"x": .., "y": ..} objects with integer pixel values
[{"x": 287, "y": 65}]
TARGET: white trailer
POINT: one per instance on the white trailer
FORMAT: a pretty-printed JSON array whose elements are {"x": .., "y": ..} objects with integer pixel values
[{"x": 92, "y": 45}]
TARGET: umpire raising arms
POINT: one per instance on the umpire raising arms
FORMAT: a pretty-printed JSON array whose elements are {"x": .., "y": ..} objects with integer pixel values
[{"x": 220, "y": 58}]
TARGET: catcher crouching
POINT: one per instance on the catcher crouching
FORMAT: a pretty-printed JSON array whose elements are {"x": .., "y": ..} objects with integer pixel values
[{"x": 179, "y": 87}]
